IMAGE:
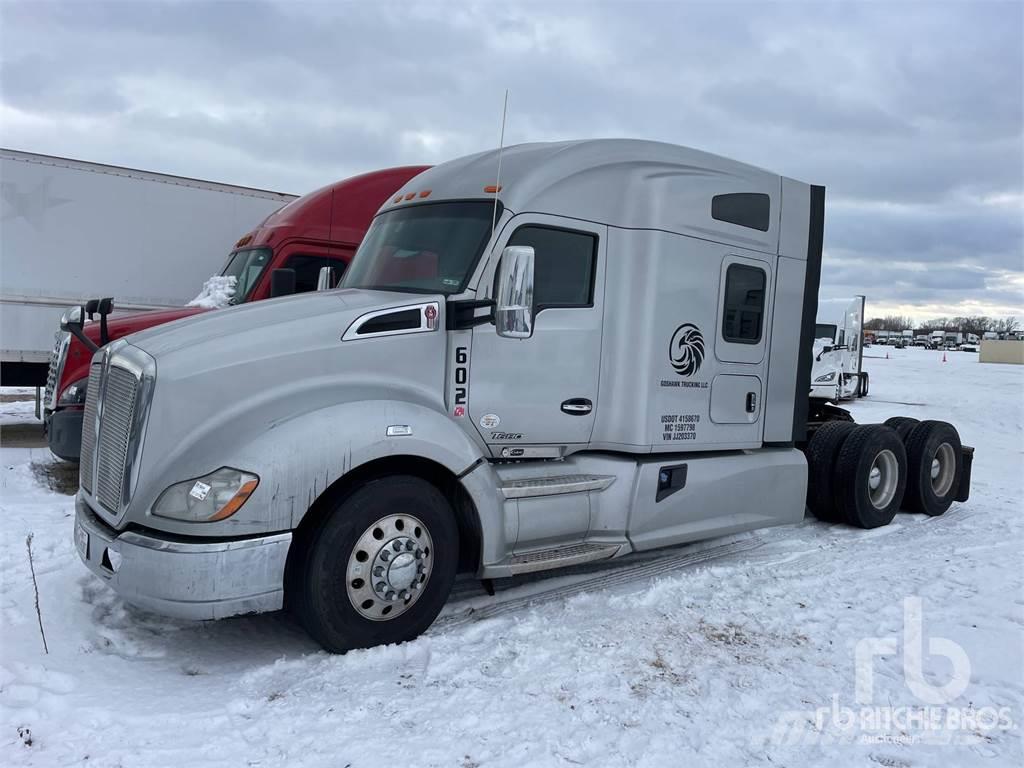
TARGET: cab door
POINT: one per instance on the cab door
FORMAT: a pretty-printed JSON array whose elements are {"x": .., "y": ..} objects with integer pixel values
[
  {"x": 543, "y": 390},
  {"x": 741, "y": 345}
]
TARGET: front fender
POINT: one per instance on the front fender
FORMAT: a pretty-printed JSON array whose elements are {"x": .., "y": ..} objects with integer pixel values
[
  {"x": 298, "y": 458},
  {"x": 301, "y": 457},
  {"x": 304, "y": 456}
]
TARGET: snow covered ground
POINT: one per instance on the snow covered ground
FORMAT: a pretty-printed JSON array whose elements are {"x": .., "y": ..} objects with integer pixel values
[{"x": 745, "y": 659}]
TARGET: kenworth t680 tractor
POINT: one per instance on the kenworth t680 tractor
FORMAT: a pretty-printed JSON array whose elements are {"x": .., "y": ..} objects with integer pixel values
[{"x": 605, "y": 350}]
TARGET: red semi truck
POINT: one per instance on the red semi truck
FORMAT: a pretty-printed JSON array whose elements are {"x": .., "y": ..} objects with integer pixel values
[{"x": 282, "y": 255}]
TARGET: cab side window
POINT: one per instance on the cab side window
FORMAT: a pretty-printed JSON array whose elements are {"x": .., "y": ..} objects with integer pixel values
[
  {"x": 563, "y": 265},
  {"x": 744, "y": 304},
  {"x": 307, "y": 270}
]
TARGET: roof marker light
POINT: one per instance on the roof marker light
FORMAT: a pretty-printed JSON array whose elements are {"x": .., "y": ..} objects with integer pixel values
[
  {"x": 492, "y": 189},
  {"x": 410, "y": 196},
  {"x": 425, "y": 192},
  {"x": 397, "y": 199}
]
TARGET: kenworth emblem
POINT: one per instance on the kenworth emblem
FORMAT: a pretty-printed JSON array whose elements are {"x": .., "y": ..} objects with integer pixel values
[{"x": 686, "y": 350}]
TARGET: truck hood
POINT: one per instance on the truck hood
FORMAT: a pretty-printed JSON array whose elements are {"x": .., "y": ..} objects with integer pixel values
[
  {"x": 265, "y": 319},
  {"x": 225, "y": 379},
  {"x": 122, "y": 325}
]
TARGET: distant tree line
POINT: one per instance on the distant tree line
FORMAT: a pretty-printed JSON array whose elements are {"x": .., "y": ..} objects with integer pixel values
[{"x": 977, "y": 324}]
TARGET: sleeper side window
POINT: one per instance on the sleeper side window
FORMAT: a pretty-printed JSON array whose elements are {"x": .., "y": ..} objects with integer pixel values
[
  {"x": 563, "y": 265},
  {"x": 743, "y": 313},
  {"x": 744, "y": 209}
]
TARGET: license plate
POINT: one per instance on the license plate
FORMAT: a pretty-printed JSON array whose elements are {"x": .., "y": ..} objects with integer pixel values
[{"x": 82, "y": 542}]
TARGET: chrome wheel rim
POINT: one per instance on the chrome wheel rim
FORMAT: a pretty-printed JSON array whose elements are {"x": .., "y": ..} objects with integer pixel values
[
  {"x": 882, "y": 479},
  {"x": 389, "y": 567},
  {"x": 943, "y": 469}
]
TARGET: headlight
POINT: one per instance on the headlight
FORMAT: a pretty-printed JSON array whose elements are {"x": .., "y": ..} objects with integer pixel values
[
  {"x": 74, "y": 394},
  {"x": 826, "y": 378},
  {"x": 206, "y": 499}
]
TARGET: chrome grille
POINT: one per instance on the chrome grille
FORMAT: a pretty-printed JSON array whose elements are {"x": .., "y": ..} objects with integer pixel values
[
  {"x": 85, "y": 461},
  {"x": 57, "y": 359},
  {"x": 115, "y": 432}
]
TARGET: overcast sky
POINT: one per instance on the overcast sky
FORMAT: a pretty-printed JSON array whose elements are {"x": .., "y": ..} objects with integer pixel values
[{"x": 909, "y": 113}]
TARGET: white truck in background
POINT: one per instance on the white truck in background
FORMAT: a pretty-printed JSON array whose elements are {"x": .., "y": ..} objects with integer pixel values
[
  {"x": 73, "y": 231},
  {"x": 837, "y": 373}
]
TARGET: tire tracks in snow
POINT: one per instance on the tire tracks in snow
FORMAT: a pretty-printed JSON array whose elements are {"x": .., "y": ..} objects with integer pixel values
[{"x": 603, "y": 580}]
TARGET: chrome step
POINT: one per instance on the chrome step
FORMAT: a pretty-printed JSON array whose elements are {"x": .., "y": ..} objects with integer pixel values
[
  {"x": 560, "y": 557},
  {"x": 553, "y": 486}
]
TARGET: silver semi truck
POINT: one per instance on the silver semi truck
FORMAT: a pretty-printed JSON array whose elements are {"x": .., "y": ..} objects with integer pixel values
[{"x": 604, "y": 350}]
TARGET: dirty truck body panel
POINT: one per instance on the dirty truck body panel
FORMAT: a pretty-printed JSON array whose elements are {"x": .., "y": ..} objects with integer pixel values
[{"x": 657, "y": 398}]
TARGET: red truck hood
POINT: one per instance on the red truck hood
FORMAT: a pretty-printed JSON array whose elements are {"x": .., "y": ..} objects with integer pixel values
[{"x": 77, "y": 365}]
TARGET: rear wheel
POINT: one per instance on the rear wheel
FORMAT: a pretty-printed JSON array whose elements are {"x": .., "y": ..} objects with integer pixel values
[
  {"x": 379, "y": 568},
  {"x": 902, "y": 425},
  {"x": 935, "y": 466},
  {"x": 863, "y": 384},
  {"x": 821, "y": 458},
  {"x": 870, "y": 476}
]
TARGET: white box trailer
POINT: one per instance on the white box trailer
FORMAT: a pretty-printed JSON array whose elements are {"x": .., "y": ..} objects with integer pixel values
[{"x": 71, "y": 231}]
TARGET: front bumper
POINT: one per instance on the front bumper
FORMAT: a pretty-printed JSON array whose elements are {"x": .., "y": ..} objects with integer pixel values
[
  {"x": 829, "y": 391},
  {"x": 174, "y": 576},
  {"x": 64, "y": 433}
]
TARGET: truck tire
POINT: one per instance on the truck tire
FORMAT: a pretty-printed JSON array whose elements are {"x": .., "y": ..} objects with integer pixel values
[
  {"x": 379, "y": 567},
  {"x": 821, "y": 458},
  {"x": 870, "y": 476},
  {"x": 863, "y": 384},
  {"x": 935, "y": 466},
  {"x": 902, "y": 425}
]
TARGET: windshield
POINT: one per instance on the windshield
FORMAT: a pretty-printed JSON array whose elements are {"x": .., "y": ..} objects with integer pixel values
[
  {"x": 429, "y": 248},
  {"x": 246, "y": 266},
  {"x": 824, "y": 331}
]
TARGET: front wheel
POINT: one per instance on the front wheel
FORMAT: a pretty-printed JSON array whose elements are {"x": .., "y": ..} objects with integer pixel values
[{"x": 379, "y": 568}]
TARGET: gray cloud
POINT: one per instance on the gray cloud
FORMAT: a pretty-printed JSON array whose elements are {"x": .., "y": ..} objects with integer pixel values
[{"x": 910, "y": 113}]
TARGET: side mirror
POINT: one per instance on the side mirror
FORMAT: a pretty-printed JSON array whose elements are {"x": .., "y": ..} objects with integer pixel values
[
  {"x": 282, "y": 283},
  {"x": 72, "y": 322},
  {"x": 326, "y": 280},
  {"x": 513, "y": 312},
  {"x": 72, "y": 318}
]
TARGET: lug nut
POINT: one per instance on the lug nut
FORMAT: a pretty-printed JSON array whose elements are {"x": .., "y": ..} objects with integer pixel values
[
  {"x": 385, "y": 555},
  {"x": 390, "y": 595},
  {"x": 419, "y": 554},
  {"x": 397, "y": 546},
  {"x": 378, "y": 571},
  {"x": 405, "y": 594},
  {"x": 409, "y": 545},
  {"x": 381, "y": 586}
]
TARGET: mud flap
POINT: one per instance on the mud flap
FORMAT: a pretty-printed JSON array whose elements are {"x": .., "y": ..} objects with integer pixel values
[{"x": 963, "y": 491}]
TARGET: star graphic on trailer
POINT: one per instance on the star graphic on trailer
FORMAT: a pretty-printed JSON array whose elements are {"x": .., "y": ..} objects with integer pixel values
[{"x": 30, "y": 206}]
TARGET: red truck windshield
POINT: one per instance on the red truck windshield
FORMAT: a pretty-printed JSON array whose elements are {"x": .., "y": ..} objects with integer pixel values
[
  {"x": 246, "y": 265},
  {"x": 428, "y": 248}
]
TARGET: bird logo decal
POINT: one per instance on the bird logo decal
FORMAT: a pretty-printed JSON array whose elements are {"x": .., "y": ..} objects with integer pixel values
[{"x": 686, "y": 350}]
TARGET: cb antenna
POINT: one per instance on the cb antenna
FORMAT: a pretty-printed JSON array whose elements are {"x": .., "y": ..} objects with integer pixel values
[{"x": 497, "y": 180}]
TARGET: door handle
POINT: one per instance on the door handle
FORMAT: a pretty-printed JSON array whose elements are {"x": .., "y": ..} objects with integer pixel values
[
  {"x": 577, "y": 406},
  {"x": 751, "y": 402}
]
